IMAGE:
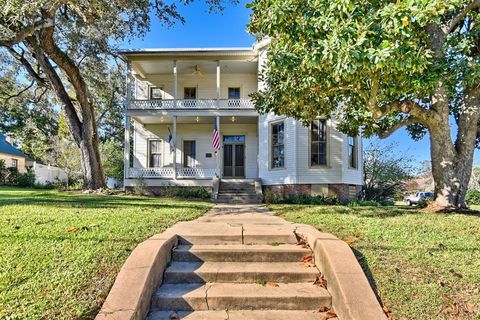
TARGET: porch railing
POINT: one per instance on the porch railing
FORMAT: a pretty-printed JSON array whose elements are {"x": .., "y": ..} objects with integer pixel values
[
  {"x": 191, "y": 104},
  {"x": 169, "y": 173}
]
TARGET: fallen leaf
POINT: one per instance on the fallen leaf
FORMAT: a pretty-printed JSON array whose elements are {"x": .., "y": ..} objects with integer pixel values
[
  {"x": 350, "y": 241},
  {"x": 320, "y": 281},
  {"x": 72, "y": 229},
  {"x": 385, "y": 309},
  {"x": 329, "y": 315},
  {"x": 469, "y": 307},
  {"x": 307, "y": 258},
  {"x": 405, "y": 21},
  {"x": 271, "y": 284},
  {"x": 324, "y": 309}
]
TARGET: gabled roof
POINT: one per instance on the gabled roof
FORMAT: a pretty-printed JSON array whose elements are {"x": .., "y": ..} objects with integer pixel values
[{"x": 7, "y": 148}]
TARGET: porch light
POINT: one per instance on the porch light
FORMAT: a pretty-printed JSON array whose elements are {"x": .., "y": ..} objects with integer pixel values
[
  {"x": 197, "y": 119},
  {"x": 233, "y": 119},
  {"x": 161, "y": 119}
]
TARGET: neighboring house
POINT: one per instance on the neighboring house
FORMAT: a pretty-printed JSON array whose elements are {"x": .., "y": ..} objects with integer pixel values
[
  {"x": 177, "y": 97},
  {"x": 13, "y": 157},
  {"x": 425, "y": 184},
  {"x": 17, "y": 159}
]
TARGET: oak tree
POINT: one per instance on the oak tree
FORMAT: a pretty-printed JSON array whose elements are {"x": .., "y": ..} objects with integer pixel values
[{"x": 380, "y": 66}]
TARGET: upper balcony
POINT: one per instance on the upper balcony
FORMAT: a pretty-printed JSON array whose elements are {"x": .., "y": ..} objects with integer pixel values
[{"x": 192, "y": 79}]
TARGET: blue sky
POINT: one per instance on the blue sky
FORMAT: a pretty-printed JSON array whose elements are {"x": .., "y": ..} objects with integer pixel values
[{"x": 228, "y": 29}]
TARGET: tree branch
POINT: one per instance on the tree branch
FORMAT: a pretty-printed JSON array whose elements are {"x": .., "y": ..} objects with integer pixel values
[
  {"x": 31, "y": 71},
  {"x": 19, "y": 93},
  {"x": 475, "y": 4},
  {"x": 404, "y": 122},
  {"x": 26, "y": 32}
]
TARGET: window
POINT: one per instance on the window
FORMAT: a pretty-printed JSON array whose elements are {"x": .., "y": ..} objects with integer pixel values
[
  {"x": 15, "y": 163},
  {"x": 318, "y": 142},
  {"x": 352, "y": 152},
  {"x": 233, "y": 93},
  {"x": 278, "y": 146},
  {"x": 190, "y": 93},
  {"x": 155, "y": 93},
  {"x": 155, "y": 153},
  {"x": 189, "y": 154}
]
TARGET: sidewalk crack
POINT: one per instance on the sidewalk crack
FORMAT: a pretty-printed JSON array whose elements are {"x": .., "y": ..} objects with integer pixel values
[
  {"x": 243, "y": 240},
  {"x": 206, "y": 295}
]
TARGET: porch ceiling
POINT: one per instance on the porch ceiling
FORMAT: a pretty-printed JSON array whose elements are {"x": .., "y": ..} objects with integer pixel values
[
  {"x": 186, "y": 67},
  {"x": 193, "y": 120}
]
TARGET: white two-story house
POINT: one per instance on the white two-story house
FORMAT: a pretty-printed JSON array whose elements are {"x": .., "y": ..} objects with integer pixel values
[{"x": 177, "y": 98}]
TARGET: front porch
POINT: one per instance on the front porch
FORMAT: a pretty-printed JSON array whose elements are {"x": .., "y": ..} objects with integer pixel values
[{"x": 173, "y": 150}]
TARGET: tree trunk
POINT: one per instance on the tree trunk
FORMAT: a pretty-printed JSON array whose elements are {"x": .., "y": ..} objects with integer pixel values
[
  {"x": 451, "y": 171},
  {"x": 90, "y": 160}
]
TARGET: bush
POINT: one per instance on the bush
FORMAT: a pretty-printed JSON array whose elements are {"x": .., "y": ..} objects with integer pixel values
[
  {"x": 187, "y": 192},
  {"x": 371, "y": 203},
  {"x": 3, "y": 172},
  {"x": 472, "y": 197},
  {"x": 26, "y": 180},
  {"x": 301, "y": 198}
]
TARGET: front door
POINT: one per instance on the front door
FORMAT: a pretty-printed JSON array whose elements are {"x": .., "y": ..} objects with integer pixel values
[{"x": 234, "y": 156}]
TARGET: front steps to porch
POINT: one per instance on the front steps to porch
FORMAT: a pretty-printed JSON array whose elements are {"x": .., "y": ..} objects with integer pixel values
[
  {"x": 239, "y": 191},
  {"x": 214, "y": 276}
]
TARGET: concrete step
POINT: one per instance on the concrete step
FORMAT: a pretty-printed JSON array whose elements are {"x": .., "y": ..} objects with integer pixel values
[
  {"x": 236, "y": 296},
  {"x": 239, "y": 315},
  {"x": 272, "y": 252},
  {"x": 239, "y": 272},
  {"x": 239, "y": 193}
]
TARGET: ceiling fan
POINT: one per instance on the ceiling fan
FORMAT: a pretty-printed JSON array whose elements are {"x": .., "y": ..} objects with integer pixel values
[{"x": 196, "y": 71}]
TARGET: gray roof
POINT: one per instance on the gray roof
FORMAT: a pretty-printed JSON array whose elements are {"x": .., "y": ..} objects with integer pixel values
[{"x": 7, "y": 148}]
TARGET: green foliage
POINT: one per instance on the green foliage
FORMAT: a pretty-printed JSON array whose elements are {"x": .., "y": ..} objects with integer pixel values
[
  {"x": 370, "y": 203},
  {"x": 3, "y": 172},
  {"x": 385, "y": 171},
  {"x": 301, "y": 198},
  {"x": 14, "y": 178},
  {"x": 112, "y": 158},
  {"x": 473, "y": 197}
]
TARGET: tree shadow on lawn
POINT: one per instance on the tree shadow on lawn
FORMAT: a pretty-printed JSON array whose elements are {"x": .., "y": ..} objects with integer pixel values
[
  {"x": 85, "y": 201},
  {"x": 368, "y": 273}
]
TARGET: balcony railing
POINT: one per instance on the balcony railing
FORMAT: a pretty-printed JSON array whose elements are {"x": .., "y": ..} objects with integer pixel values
[
  {"x": 169, "y": 173},
  {"x": 191, "y": 104}
]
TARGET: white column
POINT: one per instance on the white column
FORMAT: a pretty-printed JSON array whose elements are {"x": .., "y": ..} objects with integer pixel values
[
  {"x": 219, "y": 152},
  {"x": 175, "y": 147},
  {"x": 126, "y": 149},
  {"x": 218, "y": 84},
  {"x": 175, "y": 83}
]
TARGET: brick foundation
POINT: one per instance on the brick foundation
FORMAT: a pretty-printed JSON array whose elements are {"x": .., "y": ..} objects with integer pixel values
[
  {"x": 342, "y": 191},
  {"x": 160, "y": 191}
]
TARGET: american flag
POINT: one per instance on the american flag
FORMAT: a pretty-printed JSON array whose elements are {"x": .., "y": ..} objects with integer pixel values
[{"x": 215, "y": 137}]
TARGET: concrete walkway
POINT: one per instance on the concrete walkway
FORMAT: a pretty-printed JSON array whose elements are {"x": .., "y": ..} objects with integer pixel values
[{"x": 239, "y": 262}]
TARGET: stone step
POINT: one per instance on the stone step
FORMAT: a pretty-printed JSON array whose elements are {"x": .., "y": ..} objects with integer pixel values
[
  {"x": 239, "y": 315},
  {"x": 273, "y": 252},
  {"x": 239, "y": 272},
  {"x": 239, "y": 193},
  {"x": 240, "y": 296}
]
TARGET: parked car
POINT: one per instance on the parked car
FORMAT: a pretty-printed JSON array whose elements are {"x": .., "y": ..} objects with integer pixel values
[{"x": 417, "y": 197}]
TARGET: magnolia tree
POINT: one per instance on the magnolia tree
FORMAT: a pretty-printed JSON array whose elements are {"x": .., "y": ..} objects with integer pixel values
[
  {"x": 380, "y": 66},
  {"x": 63, "y": 46}
]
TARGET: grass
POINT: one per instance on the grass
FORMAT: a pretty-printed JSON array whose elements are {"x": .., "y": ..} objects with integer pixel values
[
  {"x": 422, "y": 265},
  {"x": 60, "y": 252}
]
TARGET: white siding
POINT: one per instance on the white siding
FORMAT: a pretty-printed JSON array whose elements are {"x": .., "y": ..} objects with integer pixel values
[
  {"x": 202, "y": 134},
  {"x": 206, "y": 85},
  {"x": 286, "y": 175}
]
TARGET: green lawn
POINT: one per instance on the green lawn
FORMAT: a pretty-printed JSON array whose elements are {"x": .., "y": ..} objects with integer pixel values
[
  {"x": 60, "y": 252},
  {"x": 424, "y": 265}
]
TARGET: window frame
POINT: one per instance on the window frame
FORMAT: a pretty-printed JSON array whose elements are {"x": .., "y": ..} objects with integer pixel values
[
  {"x": 184, "y": 93},
  {"x": 327, "y": 147},
  {"x": 354, "y": 159},
  {"x": 14, "y": 163},
  {"x": 150, "y": 91},
  {"x": 149, "y": 152},
  {"x": 270, "y": 144},
  {"x": 239, "y": 93},
  {"x": 184, "y": 165}
]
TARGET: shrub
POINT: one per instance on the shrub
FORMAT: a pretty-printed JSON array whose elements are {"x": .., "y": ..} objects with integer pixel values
[
  {"x": 301, "y": 198},
  {"x": 25, "y": 180},
  {"x": 186, "y": 192},
  {"x": 472, "y": 197},
  {"x": 140, "y": 187},
  {"x": 3, "y": 172}
]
